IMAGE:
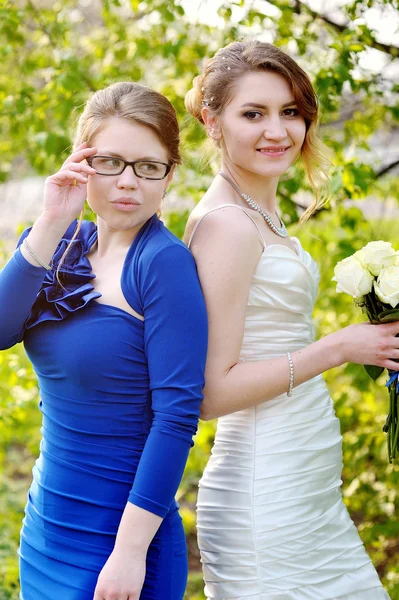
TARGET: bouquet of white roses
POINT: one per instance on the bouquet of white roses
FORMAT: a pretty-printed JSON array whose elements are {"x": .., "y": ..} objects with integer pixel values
[{"x": 371, "y": 277}]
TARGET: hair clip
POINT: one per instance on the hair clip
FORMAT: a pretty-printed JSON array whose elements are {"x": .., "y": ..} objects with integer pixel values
[
  {"x": 211, "y": 100},
  {"x": 229, "y": 68}
]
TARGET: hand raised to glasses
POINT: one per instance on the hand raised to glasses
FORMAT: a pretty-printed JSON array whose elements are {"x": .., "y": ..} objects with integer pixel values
[{"x": 65, "y": 192}]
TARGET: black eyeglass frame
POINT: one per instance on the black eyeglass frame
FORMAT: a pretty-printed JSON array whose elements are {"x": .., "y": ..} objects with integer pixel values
[{"x": 132, "y": 164}]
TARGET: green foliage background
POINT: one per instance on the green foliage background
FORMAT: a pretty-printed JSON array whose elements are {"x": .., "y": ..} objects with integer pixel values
[{"x": 51, "y": 59}]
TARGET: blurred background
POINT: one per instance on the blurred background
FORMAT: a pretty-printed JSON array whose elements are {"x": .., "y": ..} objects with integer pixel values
[{"x": 53, "y": 55}]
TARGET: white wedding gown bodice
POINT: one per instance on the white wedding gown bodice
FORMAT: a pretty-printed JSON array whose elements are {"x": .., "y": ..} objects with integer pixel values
[{"x": 272, "y": 524}]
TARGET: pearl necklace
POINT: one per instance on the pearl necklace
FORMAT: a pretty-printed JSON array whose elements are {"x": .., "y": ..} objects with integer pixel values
[{"x": 281, "y": 231}]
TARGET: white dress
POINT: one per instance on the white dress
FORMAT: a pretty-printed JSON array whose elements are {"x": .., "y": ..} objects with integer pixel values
[{"x": 271, "y": 521}]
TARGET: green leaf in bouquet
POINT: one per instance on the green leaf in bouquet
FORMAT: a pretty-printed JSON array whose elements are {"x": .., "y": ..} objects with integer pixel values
[
  {"x": 389, "y": 316},
  {"x": 374, "y": 371}
]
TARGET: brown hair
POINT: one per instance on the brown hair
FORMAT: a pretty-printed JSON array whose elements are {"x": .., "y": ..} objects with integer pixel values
[
  {"x": 132, "y": 102},
  {"x": 215, "y": 87}
]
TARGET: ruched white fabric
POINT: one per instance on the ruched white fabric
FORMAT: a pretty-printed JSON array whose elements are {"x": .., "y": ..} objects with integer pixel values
[{"x": 272, "y": 524}]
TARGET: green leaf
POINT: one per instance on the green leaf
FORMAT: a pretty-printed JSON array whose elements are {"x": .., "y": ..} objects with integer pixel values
[
  {"x": 356, "y": 47},
  {"x": 389, "y": 316},
  {"x": 373, "y": 371}
]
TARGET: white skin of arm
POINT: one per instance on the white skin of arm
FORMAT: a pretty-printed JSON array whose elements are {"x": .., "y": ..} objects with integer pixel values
[
  {"x": 123, "y": 574},
  {"x": 227, "y": 249}
]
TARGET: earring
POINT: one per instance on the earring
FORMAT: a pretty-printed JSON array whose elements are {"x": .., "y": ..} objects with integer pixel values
[{"x": 159, "y": 211}]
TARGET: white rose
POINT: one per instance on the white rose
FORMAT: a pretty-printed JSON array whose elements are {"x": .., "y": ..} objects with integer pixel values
[
  {"x": 352, "y": 278},
  {"x": 376, "y": 256},
  {"x": 387, "y": 286}
]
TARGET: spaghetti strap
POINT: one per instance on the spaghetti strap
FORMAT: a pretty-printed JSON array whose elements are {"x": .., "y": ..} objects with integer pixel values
[{"x": 225, "y": 206}]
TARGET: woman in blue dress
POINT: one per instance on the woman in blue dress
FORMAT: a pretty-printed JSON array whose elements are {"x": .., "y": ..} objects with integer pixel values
[{"x": 113, "y": 319}]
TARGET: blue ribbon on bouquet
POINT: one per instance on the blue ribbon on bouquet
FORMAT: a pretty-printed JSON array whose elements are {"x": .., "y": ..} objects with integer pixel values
[{"x": 393, "y": 376}]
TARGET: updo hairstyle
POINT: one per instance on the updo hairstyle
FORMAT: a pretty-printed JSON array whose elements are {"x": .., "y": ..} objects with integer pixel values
[
  {"x": 215, "y": 88},
  {"x": 132, "y": 102}
]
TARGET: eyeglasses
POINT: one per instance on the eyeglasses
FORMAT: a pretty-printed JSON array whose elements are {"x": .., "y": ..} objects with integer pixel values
[{"x": 145, "y": 169}]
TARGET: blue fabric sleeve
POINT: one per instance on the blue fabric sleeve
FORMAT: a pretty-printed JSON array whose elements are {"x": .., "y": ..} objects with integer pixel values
[
  {"x": 175, "y": 338},
  {"x": 20, "y": 282}
]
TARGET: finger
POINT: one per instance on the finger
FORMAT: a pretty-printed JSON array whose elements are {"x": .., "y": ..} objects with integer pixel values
[
  {"x": 392, "y": 342},
  {"x": 392, "y": 327},
  {"x": 68, "y": 178},
  {"x": 80, "y": 154},
  {"x": 79, "y": 167},
  {"x": 391, "y": 365}
]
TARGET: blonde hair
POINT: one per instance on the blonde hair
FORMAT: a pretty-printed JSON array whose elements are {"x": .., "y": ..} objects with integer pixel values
[
  {"x": 214, "y": 88},
  {"x": 132, "y": 102}
]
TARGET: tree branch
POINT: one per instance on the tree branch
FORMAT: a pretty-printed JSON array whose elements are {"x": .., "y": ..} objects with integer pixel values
[
  {"x": 44, "y": 29},
  {"x": 386, "y": 169},
  {"x": 316, "y": 212},
  {"x": 303, "y": 207},
  {"x": 299, "y": 7}
]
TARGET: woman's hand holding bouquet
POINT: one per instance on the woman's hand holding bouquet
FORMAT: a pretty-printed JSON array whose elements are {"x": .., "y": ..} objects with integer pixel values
[{"x": 371, "y": 277}]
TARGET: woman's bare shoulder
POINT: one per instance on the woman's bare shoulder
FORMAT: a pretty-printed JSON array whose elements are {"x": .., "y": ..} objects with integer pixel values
[
  {"x": 199, "y": 211},
  {"x": 220, "y": 217}
]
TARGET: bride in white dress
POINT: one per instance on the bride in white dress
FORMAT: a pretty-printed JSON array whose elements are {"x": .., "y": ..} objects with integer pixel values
[{"x": 272, "y": 524}]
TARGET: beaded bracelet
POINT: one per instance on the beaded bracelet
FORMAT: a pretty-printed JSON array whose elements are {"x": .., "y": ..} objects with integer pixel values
[
  {"x": 35, "y": 256},
  {"x": 291, "y": 366}
]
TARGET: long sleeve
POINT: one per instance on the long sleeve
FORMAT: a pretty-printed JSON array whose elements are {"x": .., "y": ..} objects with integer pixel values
[
  {"x": 20, "y": 283},
  {"x": 175, "y": 337}
]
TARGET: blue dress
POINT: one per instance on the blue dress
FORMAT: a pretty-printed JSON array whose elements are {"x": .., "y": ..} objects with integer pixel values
[{"x": 120, "y": 399}]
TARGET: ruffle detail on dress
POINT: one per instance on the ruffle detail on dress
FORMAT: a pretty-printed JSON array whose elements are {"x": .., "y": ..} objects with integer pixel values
[{"x": 56, "y": 301}]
